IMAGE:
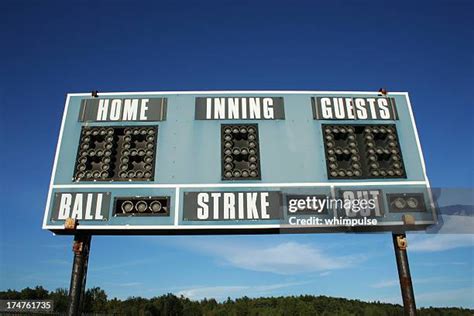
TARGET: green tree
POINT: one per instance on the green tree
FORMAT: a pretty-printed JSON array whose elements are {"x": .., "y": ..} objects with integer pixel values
[
  {"x": 95, "y": 301},
  {"x": 60, "y": 299}
]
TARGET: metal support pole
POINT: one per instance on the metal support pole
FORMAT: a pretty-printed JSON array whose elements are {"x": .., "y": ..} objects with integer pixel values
[
  {"x": 77, "y": 287},
  {"x": 406, "y": 286}
]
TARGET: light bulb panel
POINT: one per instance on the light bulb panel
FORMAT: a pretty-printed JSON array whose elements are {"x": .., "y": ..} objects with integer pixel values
[
  {"x": 406, "y": 202},
  {"x": 240, "y": 151},
  {"x": 116, "y": 153},
  {"x": 142, "y": 206},
  {"x": 362, "y": 152}
]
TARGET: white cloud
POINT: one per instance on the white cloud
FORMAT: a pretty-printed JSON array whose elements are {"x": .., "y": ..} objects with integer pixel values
[
  {"x": 123, "y": 264},
  {"x": 122, "y": 284},
  {"x": 455, "y": 224},
  {"x": 217, "y": 292},
  {"x": 385, "y": 283},
  {"x": 281, "y": 258},
  {"x": 129, "y": 284},
  {"x": 454, "y": 232},
  {"x": 458, "y": 297},
  {"x": 447, "y": 297},
  {"x": 440, "y": 242},
  {"x": 222, "y": 292},
  {"x": 396, "y": 282},
  {"x": 441, "y": 263}
]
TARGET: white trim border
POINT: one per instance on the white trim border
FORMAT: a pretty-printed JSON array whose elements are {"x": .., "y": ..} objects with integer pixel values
[
  {"x": 201, "y": 92},
  {"x": 55, "y": 163}
]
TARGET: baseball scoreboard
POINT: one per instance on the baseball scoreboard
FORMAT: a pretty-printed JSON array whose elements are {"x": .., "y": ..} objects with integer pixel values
[{"x": 238, "y": 162}]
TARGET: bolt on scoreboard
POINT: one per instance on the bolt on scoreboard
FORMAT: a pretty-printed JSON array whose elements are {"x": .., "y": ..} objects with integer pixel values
[{"x": 214, "y": 162}]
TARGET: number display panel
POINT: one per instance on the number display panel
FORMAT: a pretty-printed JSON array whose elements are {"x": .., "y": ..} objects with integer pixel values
[
  {"x": 116, "y": 153},
  {"x": 240, "y": 152},
  {"x": 363, "y": 152}
]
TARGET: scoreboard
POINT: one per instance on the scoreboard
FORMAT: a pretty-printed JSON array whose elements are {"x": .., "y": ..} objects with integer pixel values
[{"x": 214, "y": 162}]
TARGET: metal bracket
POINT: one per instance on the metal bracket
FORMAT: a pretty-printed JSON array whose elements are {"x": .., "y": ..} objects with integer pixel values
[
  {"x": 70, "y": 223},
  {"x": 402, "y": 242},
  {"x": 408, "y": 219}
]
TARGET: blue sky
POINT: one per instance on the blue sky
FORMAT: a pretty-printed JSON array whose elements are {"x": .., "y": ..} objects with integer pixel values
[{"x": 52, "y": 48}]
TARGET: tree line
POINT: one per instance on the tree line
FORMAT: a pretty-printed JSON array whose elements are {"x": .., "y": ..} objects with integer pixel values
[{"x": 97, "y": 303}]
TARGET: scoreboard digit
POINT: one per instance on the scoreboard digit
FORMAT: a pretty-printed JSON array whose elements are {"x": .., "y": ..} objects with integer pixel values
[
  {"x": 240, "y": 152},
  {"x": 116, "y": 154},
  {"x": 363, "y": 152}
]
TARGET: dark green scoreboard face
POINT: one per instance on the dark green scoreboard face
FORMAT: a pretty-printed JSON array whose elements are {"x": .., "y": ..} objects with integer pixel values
[{"x": 240, "y": 161}]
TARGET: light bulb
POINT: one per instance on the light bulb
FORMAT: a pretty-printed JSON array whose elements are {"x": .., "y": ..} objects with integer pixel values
[{"x": 127, "y": 206}]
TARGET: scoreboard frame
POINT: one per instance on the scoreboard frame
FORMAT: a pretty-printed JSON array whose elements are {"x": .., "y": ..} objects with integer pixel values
[{"x": 177, "y": 189}]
